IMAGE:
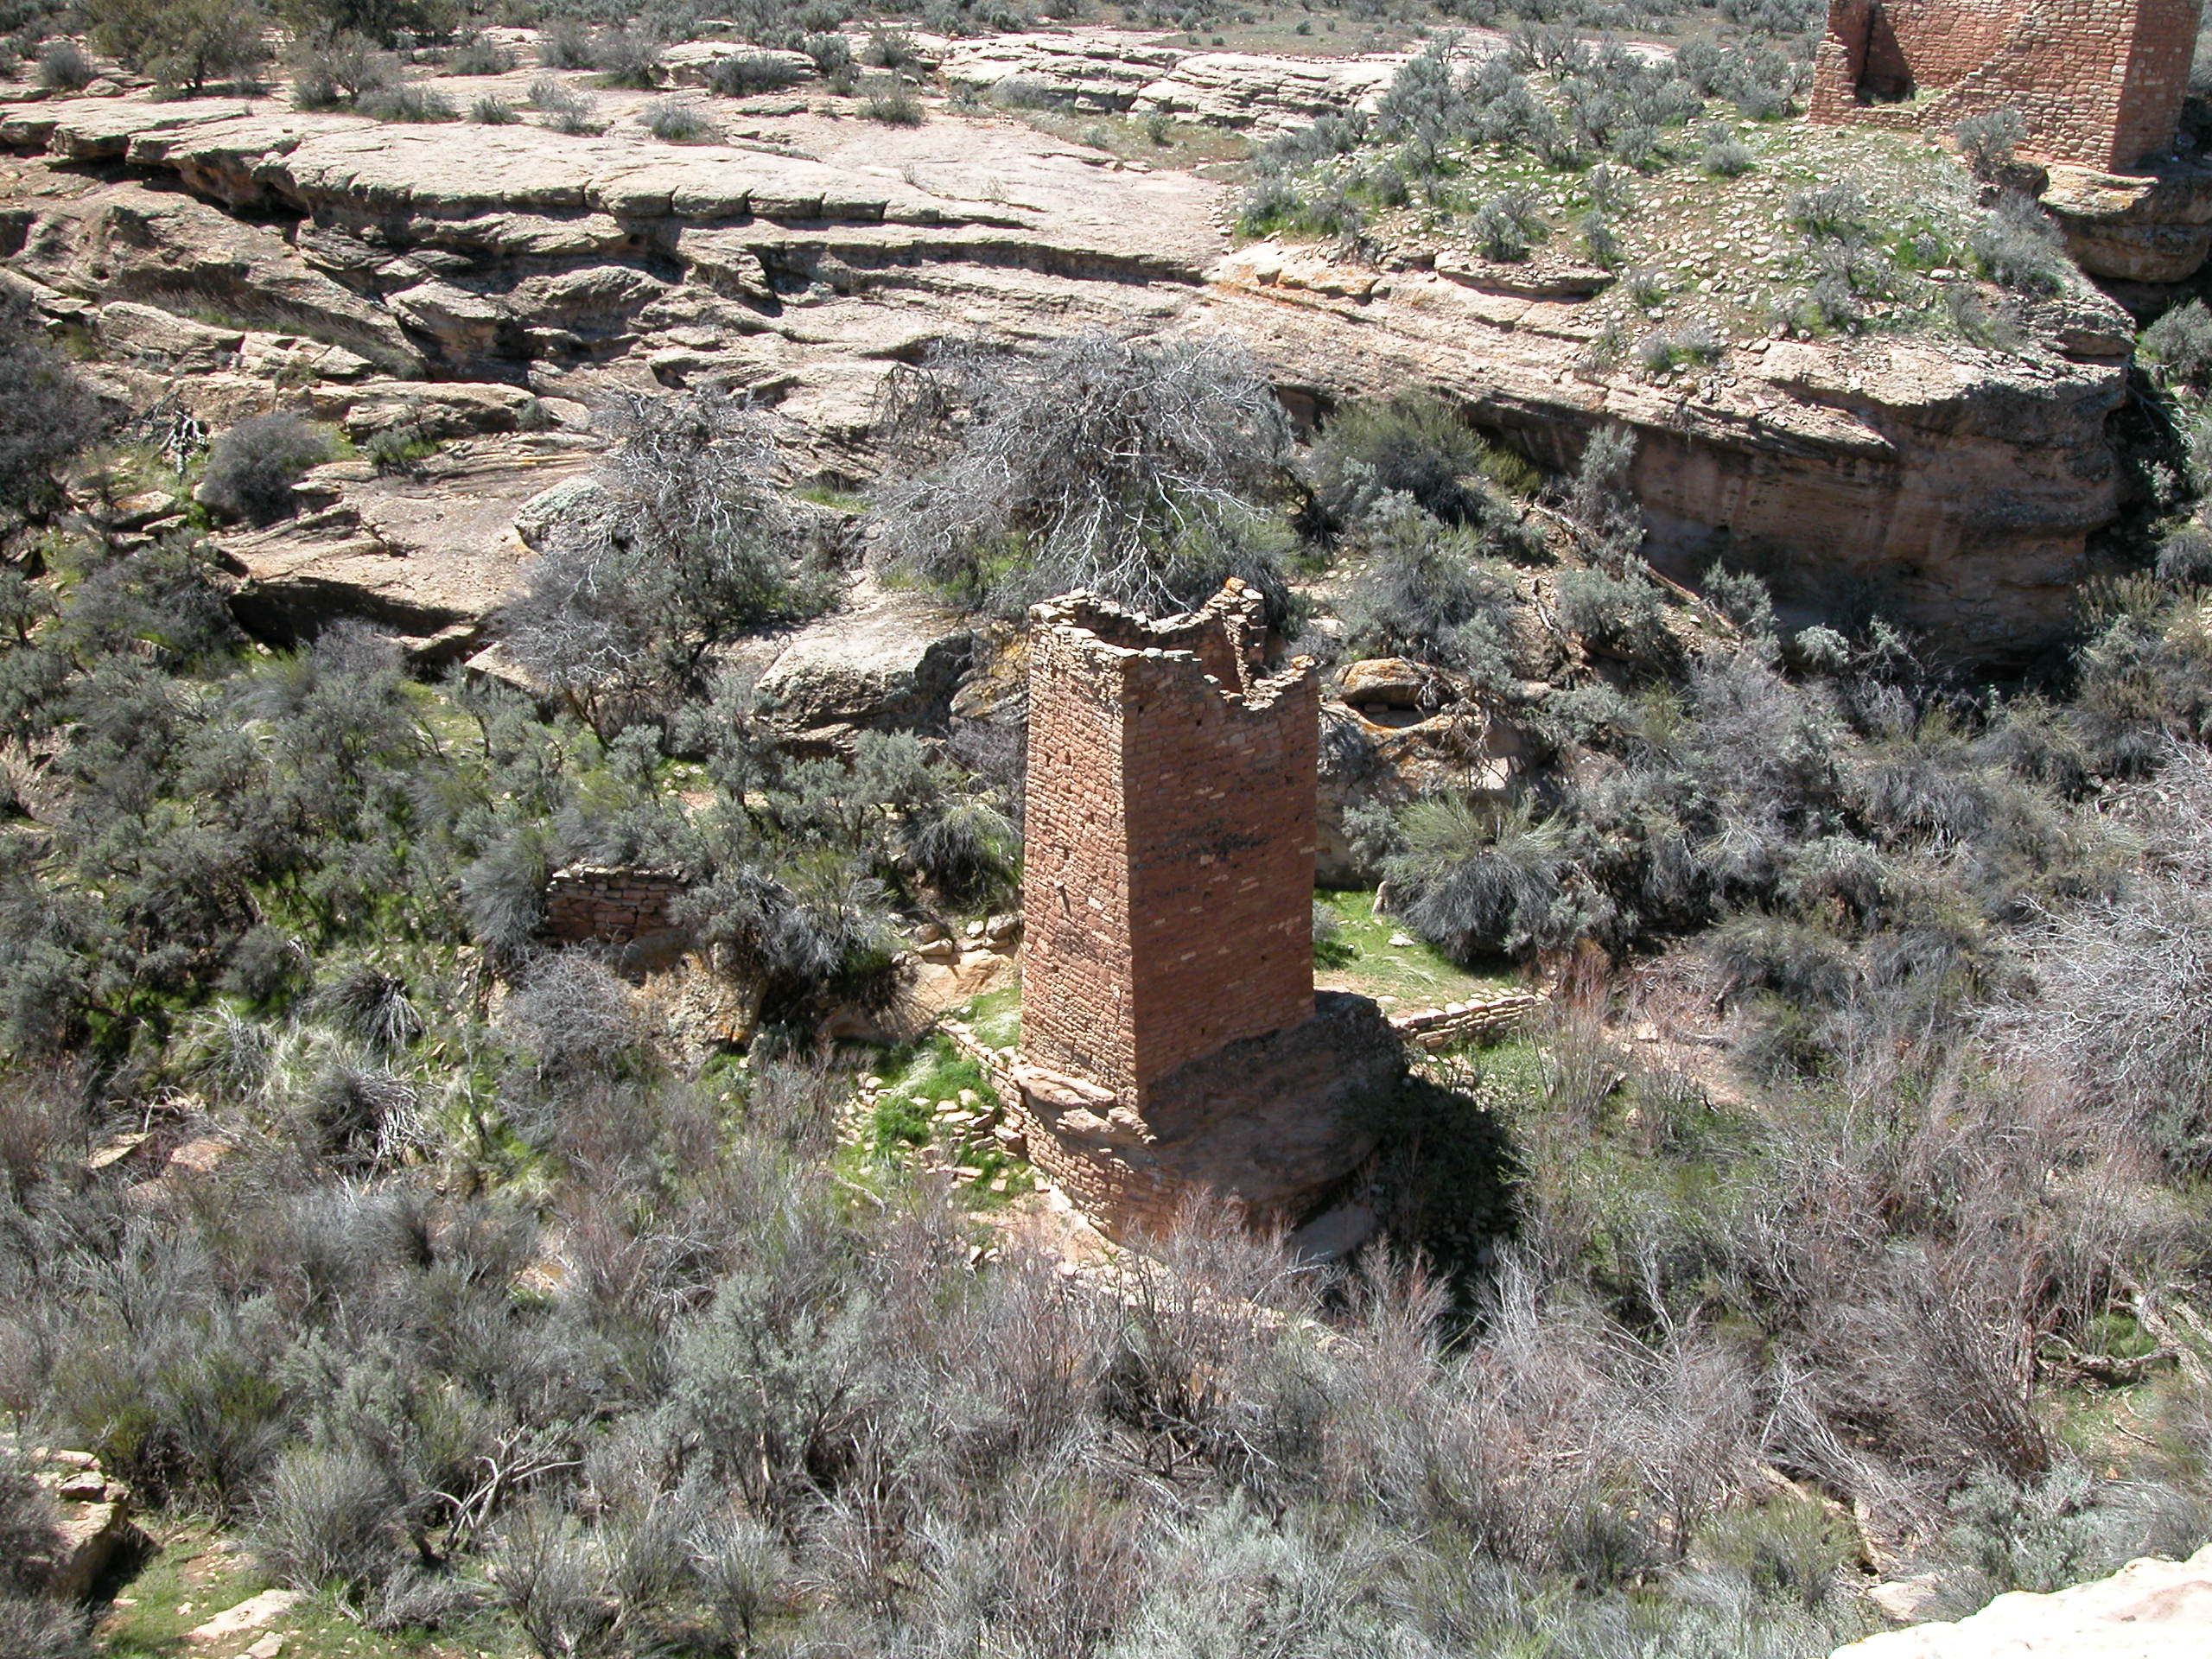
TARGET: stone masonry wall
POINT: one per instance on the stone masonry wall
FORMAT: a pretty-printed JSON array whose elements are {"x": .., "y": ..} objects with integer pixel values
[
  {"x": 1170, "y": 836},
  {"x": 594, "y": 904},
  {"x": 1100, "y": 1181},
  {"x": 2098, "y": 82}
]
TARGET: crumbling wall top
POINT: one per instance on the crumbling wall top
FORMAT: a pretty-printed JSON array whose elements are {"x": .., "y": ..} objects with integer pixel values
[{"x": 1223, "y": 640}]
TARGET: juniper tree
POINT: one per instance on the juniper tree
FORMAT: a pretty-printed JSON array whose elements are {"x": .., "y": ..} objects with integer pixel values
[
  {"x": 690, "y": 544},
  {"x": 1135, "y": 470}
]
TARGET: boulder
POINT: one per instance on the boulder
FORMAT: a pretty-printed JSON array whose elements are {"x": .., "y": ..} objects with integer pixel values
[
  {"x": 426, "y": 555},
  {"x": 144, "y": 333},
  {"x": 436, "y": 411},
  {"x": 888, "y": 660},
  {"x": 2148, "y": 1610},
  {"x": 296, "y": 360},
  {"x": 1387, "y": 686},
  {"x": 1543, "y": 277},
  {"x": 92, "y": 1520},
  {"x": 596, "y": 299},
  {"x": 1332, "y": 1234},
  {"x": 2153, "y": 227},
  {"x": 578, "y": 496},
  {"x": 254, "y": 1613},
  {"x": 463, "y": 326}
]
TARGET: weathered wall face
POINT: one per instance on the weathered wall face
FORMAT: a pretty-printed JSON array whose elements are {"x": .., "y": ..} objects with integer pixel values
[
  {"x": 1221, "y": 799},
  {"x": 1075, "y": 887},
  {"x": 2099, "y": 82},
  {"x": 590, "y": 904},
  {"x": 1168, "y": 869}
]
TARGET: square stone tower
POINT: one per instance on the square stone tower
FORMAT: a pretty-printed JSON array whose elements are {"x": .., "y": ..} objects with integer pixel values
[
  {"x": 2100, "y": 83},
  {"x": 1167, "y": 881}
]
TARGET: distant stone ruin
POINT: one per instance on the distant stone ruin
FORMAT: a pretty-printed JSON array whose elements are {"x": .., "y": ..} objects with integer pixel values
[
  {"x": 2099, "y": 82},
  {"x": 598, "y": 904},
  {"x": 1172, "y": 1040}
]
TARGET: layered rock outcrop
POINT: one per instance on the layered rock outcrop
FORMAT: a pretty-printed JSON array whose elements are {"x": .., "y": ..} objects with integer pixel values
[
  {"x": 235, "y": 260},
  {"x": 1957, "y": 485},
  {"x": 2148, "y": 1610},
  {"x": 426, "y": 555},
  {"x": 1108, "y": 72},
  {"x": 2148, "y": 228}
]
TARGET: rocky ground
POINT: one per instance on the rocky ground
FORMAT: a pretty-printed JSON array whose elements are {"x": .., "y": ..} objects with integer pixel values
[{"x": 476, "y": 288}]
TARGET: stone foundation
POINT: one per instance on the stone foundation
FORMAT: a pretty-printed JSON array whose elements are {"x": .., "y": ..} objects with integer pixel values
[{"x": 1270, "y": 1125}]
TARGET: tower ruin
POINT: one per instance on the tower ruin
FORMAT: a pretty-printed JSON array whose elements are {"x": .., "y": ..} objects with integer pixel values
[
  {"x": 2099, "y": 83},
  {"x": 1168, "y": 880},
  {"x": 1172, "y": 1040}
]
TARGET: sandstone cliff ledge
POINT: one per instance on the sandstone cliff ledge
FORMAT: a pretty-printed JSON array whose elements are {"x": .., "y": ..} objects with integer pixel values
[{"x": 1953, "y": 486}]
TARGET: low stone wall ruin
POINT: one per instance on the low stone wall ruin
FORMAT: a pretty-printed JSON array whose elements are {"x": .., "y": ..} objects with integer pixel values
[
  {"x": 596, "y": 904},
  {"x": 1480, "y": 1019}
]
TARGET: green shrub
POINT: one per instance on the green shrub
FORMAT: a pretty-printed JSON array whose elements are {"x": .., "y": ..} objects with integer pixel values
[
  {"x": 678, "y": 121},
  {"x": 340, "y": 70},
  {"x": 1476, "y": 883},
  {"x": 1429, "y": 592},
  {"x": 63, "y": 67},
  {"x": 479, "y": 55},
  {"x": 1131, "y": 469},
  {"x": 1986, "y": 141},
  {"x": 893, "y": 101},
  {"x": 1835, "y": 211},
  {"x": 893, "y": 49},
  {"x": 2017, "y": 247},
  {"x": 409, "y": 102},
  {"x": 1726, "y": 156},
  {"x": 1621, "y": 613},
  {"x": 1415, "y": 444},
  {"x": 748, "y": 74},
  {"x": 184, "y": 45},
  {"x": 46, "y": 413},
  {"x": 565, "y": 109},
  {"x": 253, "y": 467},
  {"x": 627, "y": 57},
  {"x": 566, "y": 45},
  {"x": 2185, "y": 558},
  {"x": 2180, "y": 344}
]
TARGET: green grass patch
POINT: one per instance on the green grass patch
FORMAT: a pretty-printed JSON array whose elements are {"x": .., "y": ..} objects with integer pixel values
[
  {"x": 903, "y": 1120},
  {"x": 184, "y": 1582},
  {"x": 194, "y": 1572},
  {"x": 1365, "y": 954},
  {"x": 824, "y": 495},
  {"x": 996, "y": 1016}
]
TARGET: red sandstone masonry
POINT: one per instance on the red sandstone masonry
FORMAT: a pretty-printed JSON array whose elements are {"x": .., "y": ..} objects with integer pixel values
[
  {"x": 1169, "y": 865},
  {"x": 2099, "y": 82},
  {"x": 594, "y": 903}
]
